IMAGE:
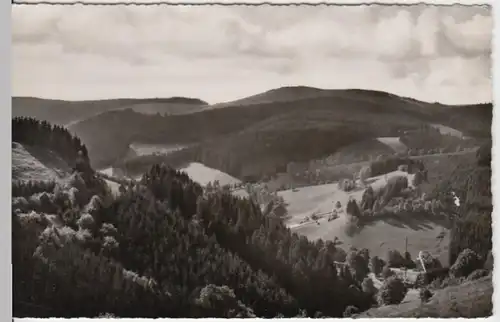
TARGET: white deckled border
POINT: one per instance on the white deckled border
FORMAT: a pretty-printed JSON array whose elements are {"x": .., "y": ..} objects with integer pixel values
[
  {"x": 5, "y": 110},
  {"x": 443, "y": 2}
]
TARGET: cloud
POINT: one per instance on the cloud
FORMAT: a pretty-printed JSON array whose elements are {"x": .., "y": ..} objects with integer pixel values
[{"x": 219, "y": 53}]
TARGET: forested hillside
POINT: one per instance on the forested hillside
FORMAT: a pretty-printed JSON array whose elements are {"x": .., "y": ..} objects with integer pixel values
[
  {"x": 166, "y": 247},
  {"x": 179, "y": 238},
  {"x": 65, "y": 112},
  {"x": 261, "y": 138}
]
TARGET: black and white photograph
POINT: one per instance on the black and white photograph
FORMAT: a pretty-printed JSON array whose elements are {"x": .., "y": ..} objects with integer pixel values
[{"x": 252, "y": 161}]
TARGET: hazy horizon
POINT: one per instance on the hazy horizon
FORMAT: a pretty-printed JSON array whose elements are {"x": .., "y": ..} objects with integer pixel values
[
  {"x": 222, "y": 53},
  {"x": 221, "y": 102}
]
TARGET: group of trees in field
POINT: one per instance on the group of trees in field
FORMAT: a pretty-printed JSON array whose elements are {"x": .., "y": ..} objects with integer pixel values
[
  {"x": 394, "y": 198},
  {"x": 469, "y": 183}
]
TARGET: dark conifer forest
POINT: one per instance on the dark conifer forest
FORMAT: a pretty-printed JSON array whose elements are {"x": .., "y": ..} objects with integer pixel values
[{"x": 167, "y": 247}]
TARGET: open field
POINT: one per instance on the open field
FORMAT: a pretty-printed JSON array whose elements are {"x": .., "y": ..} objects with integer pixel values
[
  {"x": 379, "y": 236},
  {"x": 203, "y": 175},
  {"x": 148, "y": 149},
  {"x": 443, "y": 129},
  {"x": 33, "y": 163}
]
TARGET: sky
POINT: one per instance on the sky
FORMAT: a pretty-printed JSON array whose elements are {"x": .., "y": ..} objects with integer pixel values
[{"x": 222, "y": 53}]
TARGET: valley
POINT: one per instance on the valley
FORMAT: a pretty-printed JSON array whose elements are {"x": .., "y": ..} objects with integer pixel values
[
  {"x": 251, "y": 161},
  {"x": 322, "y": 182}
]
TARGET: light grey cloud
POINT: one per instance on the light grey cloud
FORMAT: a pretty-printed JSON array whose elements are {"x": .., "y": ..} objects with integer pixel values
[{"x": 220, "y": 53}]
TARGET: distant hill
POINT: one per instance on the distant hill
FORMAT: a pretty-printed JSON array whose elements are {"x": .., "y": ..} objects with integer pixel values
[
  {"x": 259, "y": 134},
  {"x": 263, "y": 133},
  {"x": 294, "y": 93},
  {"x": 282, "y": 94},
  {"x": 65, "y": 112}
]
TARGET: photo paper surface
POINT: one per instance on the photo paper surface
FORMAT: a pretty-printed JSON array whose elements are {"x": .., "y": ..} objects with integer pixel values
[{"x": 232, "y": 161}]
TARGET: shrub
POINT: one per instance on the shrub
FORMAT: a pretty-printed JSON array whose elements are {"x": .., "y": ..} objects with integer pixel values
[
  {"x": 352, "y": 226},
  {"x": 425, "y": 294},
  {"x": 386, "y": 272},
  {"x": 20, "y": 203},
  {"x": 467, "y": 262},
  {"x": 339, "y": 255},
  {"x": 94, "y": 205},
  {"x": 352, "y": 208},
  {"x": 364, "y": 173},
  {"x": 477, "y": 274},
  {"x": 86, "y": 221},
  {"x": 358, "y": 264},
  {"x": 376, "y": 265},
  {"x": 393, "y": 291},
  {"x": 430, "y": 262},
  {"x": 365, "y": 253},
  {"x": 221, "y": 301},
  {"x": 110, "y": 244},
  {"x": 483, "y": 155},
  {"x": 381, "y": 166},
  {"x": 395, "y": 259},
  {"x": 437, "y": 274},
  {"x": 403, "y": 168},
  {"x": 409, "y": 263},
  {"x": 448, "y": 281},
  {"x": 418, "y": 179},
  {"x": 488, "y": 264},
  {"x": 318, "y": 315},
  {"x": 428, "y": 206},
  {"x": 368, "y": 287},
  {"x": 367, "y": 213},
  {"x": 350, "y": 311},
  {"x": 346, "y": 185},
  {"x": 368, "y": 199},
  {"x": 421, "y": 280},
  {"x": 108, "y": 229}
]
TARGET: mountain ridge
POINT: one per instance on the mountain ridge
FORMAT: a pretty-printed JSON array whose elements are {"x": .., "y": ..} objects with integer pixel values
[
  {"x": 64, "y": 112},
  {"x": 359, "y": 116}
]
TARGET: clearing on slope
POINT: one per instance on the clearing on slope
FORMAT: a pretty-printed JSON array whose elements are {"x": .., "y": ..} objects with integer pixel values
[
  {"x": 394, "y": 143},
  {"x": 204, "y": 175},
  {"x": 149, "y": 149},
  {"x": 31, "y": 163},
  {"x": 446, "y": 130},
  {"x": 37, "y": 164}
]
